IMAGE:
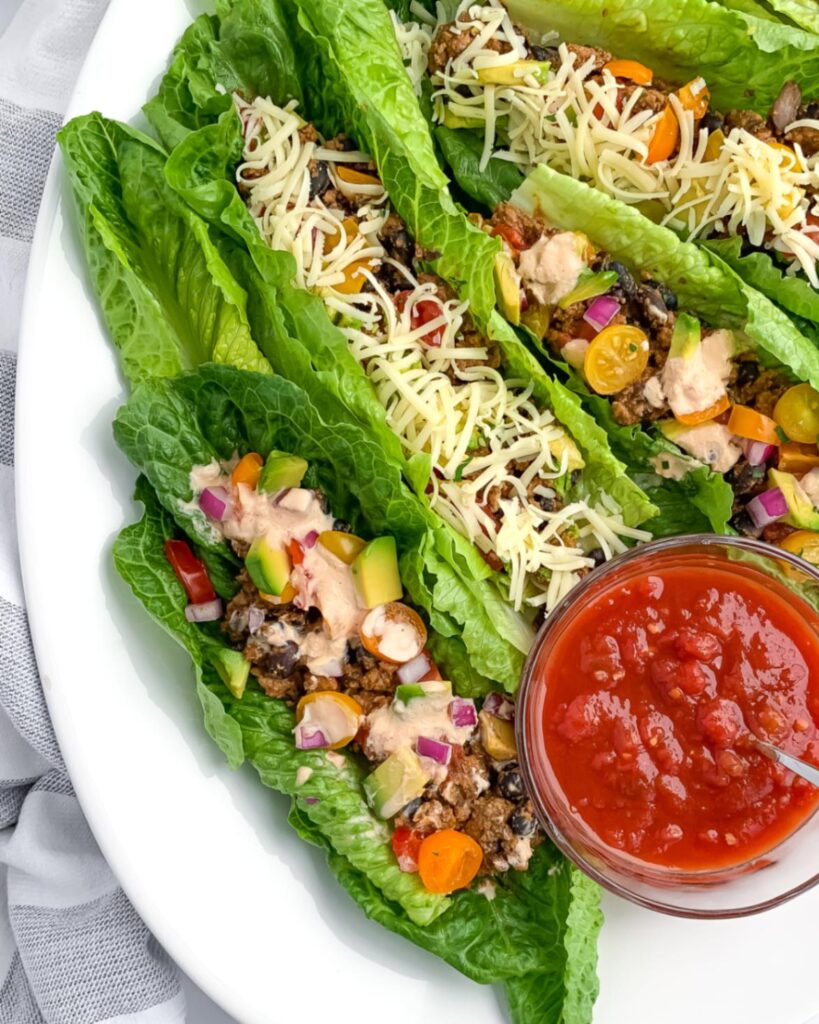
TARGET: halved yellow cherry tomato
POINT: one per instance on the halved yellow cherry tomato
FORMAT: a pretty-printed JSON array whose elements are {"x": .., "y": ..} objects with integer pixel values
[
  {"x": 714, "y": 145},
  {"x": 695, "y": 97},
  {"x": 747, "y": 422},
  {"x": 285, "y": 597},
  {"x": 691, "y": 419},
  {"x": 804, "y": 543},
  {"x": 354, "y": 280},
  {"x": 396, "y": 615},
  {"x": 345, "y": 546},
  {"x": 351, "y": 709},
  {"x": 665, "y": 138},
  {"x": 630, "y": 69},
  {"x": 350, "y": 227},
  {"x": 448, "y": 860},
  {"x": 616, "y": 358},
  {"x": 248, "y": 470},
  {"x": 797, "y": 459},
  {"x": 354, "y": 177},
  {"x": 795, "y": 163},
  {"x": 797, "y": 412}
]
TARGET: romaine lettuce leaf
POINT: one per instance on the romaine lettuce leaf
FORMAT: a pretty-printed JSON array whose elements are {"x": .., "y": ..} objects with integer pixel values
[
  {"x": 801, "y": 13},
  {"x": 704, "y": 284},
  {"x": 167, "y": 297},
  {"x": 260, "y": 729},
  {"x": 744, "y": 59}
]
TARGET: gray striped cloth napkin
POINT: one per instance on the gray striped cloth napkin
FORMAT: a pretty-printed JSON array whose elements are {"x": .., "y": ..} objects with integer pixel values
[{"x": 72, "y": 949}]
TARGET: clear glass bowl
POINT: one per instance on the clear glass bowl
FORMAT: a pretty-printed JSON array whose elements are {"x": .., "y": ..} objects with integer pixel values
[{"x": 765, "y": 881}]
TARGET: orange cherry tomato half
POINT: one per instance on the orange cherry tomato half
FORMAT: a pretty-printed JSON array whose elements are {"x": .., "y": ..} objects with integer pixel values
[
  {"x": 448, "y": 860},
  {"x": 399, "y": 616},
  {"x": 794, "y": 163},
  {"x": 285, "y": 597},
  {"x": 665, "y": 138},
  {"x": 248, "y": 470},
  {"x": 354, "y": 280},
  {"x": 747, "y": 422},
  {"x": 798, "y": 459},
  {"x": 630, "y": 69},
  {"x": 797, "y": 413},
  {"x": 350, "y": 227},
  {"x": 354, "y": 177},
  {"x": 190, "y": 572},
  {"x": 691, "y": 419},
  {"x": 616, "y": 358},
  {"x": 695, "y": 97},
  {"x": 433, "y": 673},
  {"x": 296, "y": 552},
  {"x": 350, "y": 709},
  {"x": 513, "y": 238}
]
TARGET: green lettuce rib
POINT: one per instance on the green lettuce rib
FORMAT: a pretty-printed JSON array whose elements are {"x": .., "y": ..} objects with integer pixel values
[
  {"x": 168, "y": 299},
  {"x": 743, "y": 58}
]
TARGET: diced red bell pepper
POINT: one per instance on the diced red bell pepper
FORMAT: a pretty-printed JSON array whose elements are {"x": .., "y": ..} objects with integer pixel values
[
  {"x": 190, "y": 572},
  {"x": 296, "y": 552},
  {"x": 406, "y": 845},
  {"x": 513, "y": 238}
]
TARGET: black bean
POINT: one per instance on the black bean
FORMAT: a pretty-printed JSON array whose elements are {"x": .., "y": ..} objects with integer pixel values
[
  {"x": 408, "y": 810},
  {"x": 812, "y": 111},
  {"x": 712, "y": 122},
  {"x": 652, "y": 303},
  {"x": 546, "y": 503},
  {"x": 282, "y": 660},
  {"x": 544, "y": 53},
  {"x": 523, "y": 822},
  {"x": 627, "y": 282},
  {"x": 510, "y": 783},
  {"x": 319, "y": 178},
  {"x": 747, "y": 372},
  {"x": 598, "y": 555},
  {"x": 744, "y": 525},
  {"x": 342, "y": 526}
]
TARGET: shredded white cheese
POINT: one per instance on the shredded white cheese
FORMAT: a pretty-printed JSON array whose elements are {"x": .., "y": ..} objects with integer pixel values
[
  {"x": 583, "y": 128},
  {"x": 472, "y": 421}
]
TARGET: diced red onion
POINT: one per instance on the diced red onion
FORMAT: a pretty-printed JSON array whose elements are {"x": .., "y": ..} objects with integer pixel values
[
  {"x": 462, "y": 712},
  {"x": 208, "y": 611},
  {"x": 601, "y": 311},
  {"x": 310, "y": 540},
  {"x": 414, "y": 669},
  {"x": 499, "y": 706},
  {"x": 757, "y": 452},
  {"x": 767, "y": 507},
  {"x": 333, "y": 668},
  {"x": 310, "y": 739},
  {"x": 280, "y": 494},
  {"x": 436, "y": 750},
  {"x": 255, "y": 618},
  {"x": 216, "y": 503},
  {"x": 311, "y": 800}
]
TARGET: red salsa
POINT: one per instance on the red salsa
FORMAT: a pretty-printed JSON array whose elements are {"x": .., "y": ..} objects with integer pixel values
[{"x": 653, "y": 691}]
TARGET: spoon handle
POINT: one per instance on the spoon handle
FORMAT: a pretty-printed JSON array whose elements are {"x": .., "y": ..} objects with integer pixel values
[{"x": 794, "y": 764}]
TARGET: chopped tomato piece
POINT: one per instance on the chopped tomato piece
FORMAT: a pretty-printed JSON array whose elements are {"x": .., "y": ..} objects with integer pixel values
[
  {"x": 633, "y": 70},
  {"x": 248, "y": 470},
  {"x": 511, "y": 236},
  {"x": 433, "y": 672},
  {"x": 190, "y": 572},
  {"x": 691, "y": 419},
  {"x": 406, "y": 845},
  {"x": 747, "y": 422},
  {"x": 424, "y": 312},
  {"x": 448, "y": 860},
  {"x": 296, "y": 552}
]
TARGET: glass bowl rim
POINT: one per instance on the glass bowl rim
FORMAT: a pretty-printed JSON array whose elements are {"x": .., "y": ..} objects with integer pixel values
[{"x": 555, "y": 834}]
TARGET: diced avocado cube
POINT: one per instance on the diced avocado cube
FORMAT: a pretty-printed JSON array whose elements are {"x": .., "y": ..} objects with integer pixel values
[
  {"x": 497, "y": 737},
  {"x": 589, "y": 285},
  {"x": 507, "y": 287},
  {"x": 801, "y": 512},
  {"x": 268, "y": 567},
  {"x": 686, "y": 337},
  {"x": 395, "y": 782},
  {"x": 281, "y": 470},
  {"x": 514, "y": 74},
  {"x": 566, "y": 444},
  {"x": 451, "y": 120},
  {"x": 406, "y": 692},
  {"x": 233, "y": 669},
  {"x": 375, "y": 573}
]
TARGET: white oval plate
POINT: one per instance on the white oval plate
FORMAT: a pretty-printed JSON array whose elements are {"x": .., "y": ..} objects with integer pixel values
[{"x": 249, "y": 911}]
